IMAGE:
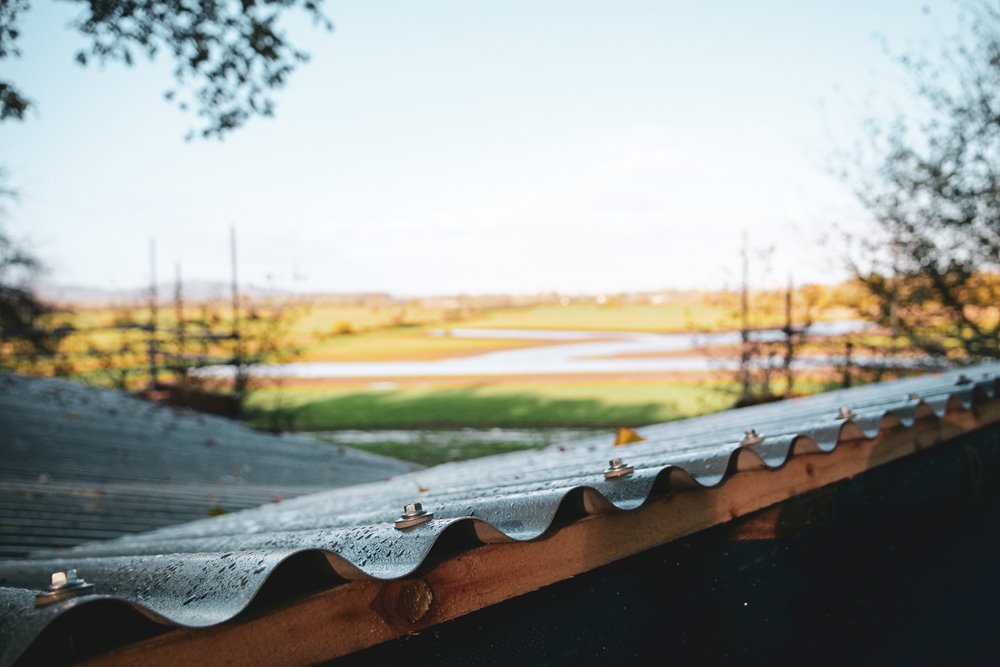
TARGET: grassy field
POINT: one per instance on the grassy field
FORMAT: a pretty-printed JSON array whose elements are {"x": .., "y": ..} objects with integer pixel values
[
  {"x": 446, "y": 414},
  {"x": 567, "y": 404},
  {"x": 681, "y": 316},
  {"x": 433, "y": 447},
  {"x": 401, "y": 344},
  {"x": 716, "y": 314},
  {"x": 606, "y": 404},
  {"x": 437, "y": 449},
  {"x": 328, "y": 333},
  {"x": 448, "y": 411},
  {"x": 414, "y": 342}
]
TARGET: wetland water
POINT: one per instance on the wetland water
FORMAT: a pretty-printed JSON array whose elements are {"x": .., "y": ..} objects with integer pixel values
[{"x": 581, "y": 352}]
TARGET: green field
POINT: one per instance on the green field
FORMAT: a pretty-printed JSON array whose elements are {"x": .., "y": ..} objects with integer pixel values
[
  {"x": 685, "y": 316},
  {"x": 399, "y": 344},
  {"x": 539, "y": 405},
  {"x": 592, "y": 404},
  {"x": 436, "y": 409},
  {"x": 433, "y": 447},
  {"x": 714, "y": 314}
]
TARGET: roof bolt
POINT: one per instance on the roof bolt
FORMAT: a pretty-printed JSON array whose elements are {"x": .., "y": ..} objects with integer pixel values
[
  {"x": 414, "y": 514},
  {"x": 963, "y": 379},
  {"x": 63, "y": 585},
  {"x": 617, "y": 468},
  {"x": 62, "y": 579},
  {"x": 751, "y": 438},
  {"x": 845, "y": 413},
  {"x": 913, "y": 396}
]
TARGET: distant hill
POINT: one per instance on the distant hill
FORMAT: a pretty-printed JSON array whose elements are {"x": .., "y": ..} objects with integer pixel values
[{"x": 196, "y": 290}]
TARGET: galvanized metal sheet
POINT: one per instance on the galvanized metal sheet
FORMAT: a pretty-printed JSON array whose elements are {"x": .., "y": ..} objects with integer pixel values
[
  {"x": 205, "y": 572},
  {"x": 80, "y": 464}
]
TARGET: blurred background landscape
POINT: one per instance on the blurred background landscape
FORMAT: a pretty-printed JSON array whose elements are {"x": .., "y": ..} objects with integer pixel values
[
  {"x": 442, "y": 378},
  {"x": 445, "y": 231}
]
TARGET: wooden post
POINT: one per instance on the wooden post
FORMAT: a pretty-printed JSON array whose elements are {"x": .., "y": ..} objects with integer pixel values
[{"x": 848, "y": 348}]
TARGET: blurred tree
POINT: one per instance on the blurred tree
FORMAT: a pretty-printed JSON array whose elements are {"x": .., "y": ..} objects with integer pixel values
[
  {"x": 266, "y": 337},
  {"x": 933, "y": 190},
  {"x": 26, "y": 334},
  {"x": 230, "y": 56}
]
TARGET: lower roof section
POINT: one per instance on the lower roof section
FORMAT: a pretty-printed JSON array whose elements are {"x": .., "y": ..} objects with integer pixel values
[{"x": 79, "y": 463}]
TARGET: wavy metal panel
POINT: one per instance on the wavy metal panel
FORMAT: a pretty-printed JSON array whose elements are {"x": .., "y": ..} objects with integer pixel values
[
  {"x": 207, "y": 571},
  {"x": 79, "y": 464}
]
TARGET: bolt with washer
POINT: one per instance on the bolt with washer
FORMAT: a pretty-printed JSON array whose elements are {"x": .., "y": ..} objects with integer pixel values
[
  {"x": 64, "y": 585},
  {"x": 751, "y": 438},
  {"x": 414, "y": 514},
  {"x": 617, "y": 469},
  {"x": 845, "y": 413}
]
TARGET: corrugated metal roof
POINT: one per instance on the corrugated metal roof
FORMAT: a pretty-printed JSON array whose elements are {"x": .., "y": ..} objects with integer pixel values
[
  {"x": 205, "y": 572},
  {"x": 80, "y": 464}
]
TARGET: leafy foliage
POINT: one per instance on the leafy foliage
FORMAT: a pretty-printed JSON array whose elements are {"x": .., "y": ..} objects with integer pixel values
[
  {"x": 229, "y": 55},
  {"x": 13, "y": 103},
  {"x": 265, "y": 338},
  {"x": 25, "y": 332},
  {"x": 934, "y": 193}
]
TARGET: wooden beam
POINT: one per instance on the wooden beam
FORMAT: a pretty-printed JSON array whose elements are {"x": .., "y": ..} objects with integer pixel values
[{"x": 356, "y": 615}]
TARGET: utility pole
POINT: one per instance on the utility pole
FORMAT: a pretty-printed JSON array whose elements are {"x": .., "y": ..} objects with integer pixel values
[
  {"x": 848, "y": 363},
  {"x": 151, "y": 347},
  {"x": 240, "y": 379},
  {"x": 789, "y": 338},
  {"x": 894, "y": 301},
  {"x": 181, "y": 369},
  {"x": 745, "y": 323}
]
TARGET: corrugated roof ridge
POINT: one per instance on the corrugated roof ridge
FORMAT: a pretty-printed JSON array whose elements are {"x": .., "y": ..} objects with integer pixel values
[{"x": 406, "y": 551}]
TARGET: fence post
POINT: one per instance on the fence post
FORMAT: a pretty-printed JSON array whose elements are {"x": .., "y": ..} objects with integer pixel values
[{"x": 848, "y": 348}]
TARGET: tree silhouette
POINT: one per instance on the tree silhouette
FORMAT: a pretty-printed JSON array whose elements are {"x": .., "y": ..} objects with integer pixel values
[
  {"x": 25, "y": 334},
  {"x": 229, "y": 56},
  {"x": 933, "y": 267}
]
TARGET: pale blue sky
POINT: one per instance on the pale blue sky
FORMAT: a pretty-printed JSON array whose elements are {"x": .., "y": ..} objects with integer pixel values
[{"x": 444, "y": 147}]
